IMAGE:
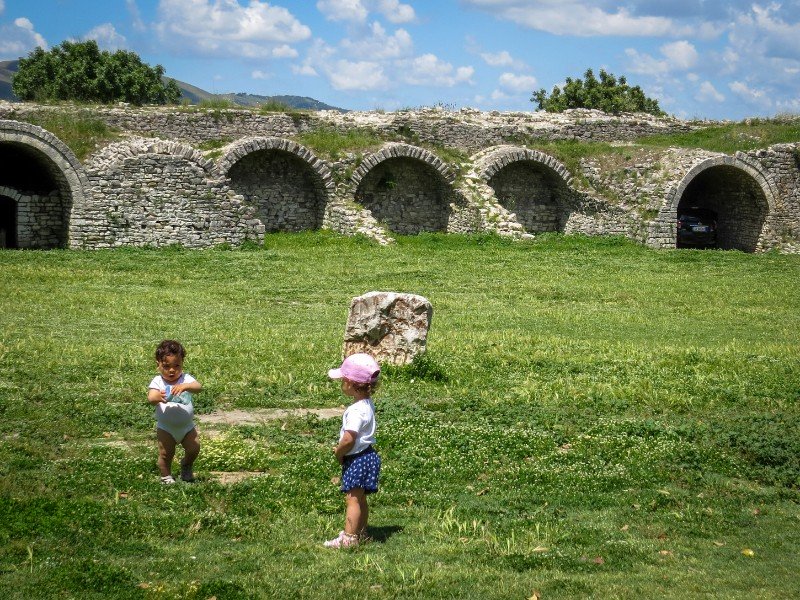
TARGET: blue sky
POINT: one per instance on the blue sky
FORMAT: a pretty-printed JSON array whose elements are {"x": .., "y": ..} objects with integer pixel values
[{"x": 700, "y": 58}]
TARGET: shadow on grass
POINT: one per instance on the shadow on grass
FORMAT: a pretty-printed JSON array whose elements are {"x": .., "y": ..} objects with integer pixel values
[{"x": 381, "y": 534}]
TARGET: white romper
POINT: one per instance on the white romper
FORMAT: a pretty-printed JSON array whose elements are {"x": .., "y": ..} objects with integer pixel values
[{"x": 176, "y": 418}]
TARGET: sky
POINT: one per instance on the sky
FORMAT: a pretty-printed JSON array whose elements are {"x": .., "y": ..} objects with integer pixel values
[{"x": 716, "y": 59}]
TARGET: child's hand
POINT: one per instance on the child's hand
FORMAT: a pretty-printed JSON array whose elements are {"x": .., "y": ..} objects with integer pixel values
[
  {"x": 178, "y": 389},
  {"x": 336, "y": 454}
]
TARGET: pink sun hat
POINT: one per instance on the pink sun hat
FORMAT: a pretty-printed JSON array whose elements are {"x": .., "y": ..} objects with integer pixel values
[{"x": 358, "y": 368}]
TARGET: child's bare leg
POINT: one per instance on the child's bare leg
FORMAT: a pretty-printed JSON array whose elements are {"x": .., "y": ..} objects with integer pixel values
[
  {"x": 166, "y": 451},
  {"x": 191, "y": 447},
  {"x": 356, "y": 512}
]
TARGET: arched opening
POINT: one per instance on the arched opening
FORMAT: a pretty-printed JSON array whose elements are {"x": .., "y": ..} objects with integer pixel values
[
  {"x": 535, "y": 193},
  {"x": 733, "y": 200},
  {"x": 407, "y": 194},
  {"x": 288, "y": 194},
  {"x": 41, "y": 196},
  {"x": 8, "y": 222}
]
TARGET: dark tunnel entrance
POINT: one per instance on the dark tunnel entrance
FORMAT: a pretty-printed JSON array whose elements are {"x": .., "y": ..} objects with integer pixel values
[
  {"x": 35, "y": 199},
  {"x": 8, "y": 223},
  {"x": 729, "y": 200}
]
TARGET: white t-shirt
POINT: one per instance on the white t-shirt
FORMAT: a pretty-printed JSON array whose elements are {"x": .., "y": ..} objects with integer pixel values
[
  {"x": 159, "y": 384},
  {"x": 359, "y": 418}
]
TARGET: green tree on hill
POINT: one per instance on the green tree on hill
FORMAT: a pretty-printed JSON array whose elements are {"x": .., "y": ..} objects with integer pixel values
[
  {"x": 82, "y": 72},
  {"x": 608, "y": 94}
]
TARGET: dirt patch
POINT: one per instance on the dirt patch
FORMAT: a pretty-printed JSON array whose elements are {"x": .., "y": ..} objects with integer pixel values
[
  {"x": 231, "y": 477},
  {"x": 260, "y": 416}
]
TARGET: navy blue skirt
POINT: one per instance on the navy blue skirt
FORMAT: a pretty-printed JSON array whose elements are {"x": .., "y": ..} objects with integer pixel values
[{"x": 361, "y": 470}]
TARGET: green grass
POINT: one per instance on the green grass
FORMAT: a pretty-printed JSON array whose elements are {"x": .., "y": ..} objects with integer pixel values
[
  {"x": 593, "y": 419},
  {"x": 80, "y": 131},
  {"x": 730, "y": 138},
  {"x": 332, "y": 143}
]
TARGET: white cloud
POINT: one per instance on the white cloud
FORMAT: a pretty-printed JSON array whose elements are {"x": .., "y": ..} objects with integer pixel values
[
  {"x": 284, "y": 51},
  {"x": 680, "y": 55},
  {"x": 379, "y": 45},
  {"x": 517, "y": 83},
  {"x": 763, "y": 31},
  {"x": 357, "y": 11},
  {"x": 362, "y": 75},
  {"x": 2, "y": 7},
  {"x": 396, "y": 12},
  {"x": 576, "y": 17},
  {"x": 343, "y": 10},
  {"x": 708, "y": 93},
  {"x": 107, "y": 37},
  {"x": 19, "y": 39},
  {"x": 136, "y": 16},
  {"x": 751, "y": 95},
  {"x": 428, "y": 69},
  {"x": 258, "y": 74},
  {"x": 502, "y": 59},
  {"x": 225, "y": 28},
  {"x": 677, "y": 56},
  {"x": 305, "y": 69}
]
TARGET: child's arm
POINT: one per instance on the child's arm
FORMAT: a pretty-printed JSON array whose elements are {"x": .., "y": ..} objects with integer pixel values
[
  {"x": 345, "y": 445},
  {"x": 155, "y": 396},
  {"x": 192, "y": 387}
]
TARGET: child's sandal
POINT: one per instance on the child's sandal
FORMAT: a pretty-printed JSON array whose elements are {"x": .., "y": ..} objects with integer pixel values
[
  {"x": 167, "y": 480},
  {"x": 343, "y": 540}
]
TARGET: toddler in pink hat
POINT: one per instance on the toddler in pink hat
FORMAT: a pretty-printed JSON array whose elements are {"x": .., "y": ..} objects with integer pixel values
[{"x": 361, "y": 464}]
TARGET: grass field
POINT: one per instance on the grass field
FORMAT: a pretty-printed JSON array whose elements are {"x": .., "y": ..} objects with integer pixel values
[{"x": 593, "y": 419}]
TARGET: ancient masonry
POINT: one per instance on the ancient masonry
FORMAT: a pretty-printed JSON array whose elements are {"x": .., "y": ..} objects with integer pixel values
[{"x": 157, "y": 188}]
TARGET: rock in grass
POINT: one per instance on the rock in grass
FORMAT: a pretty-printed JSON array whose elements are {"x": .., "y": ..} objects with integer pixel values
[{"x": 391, "y": 326}]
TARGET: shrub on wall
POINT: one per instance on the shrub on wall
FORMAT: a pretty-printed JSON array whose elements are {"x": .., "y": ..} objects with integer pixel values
[
  {"x": 82, "y": 72},
  {"x": 609, "y": 94}
]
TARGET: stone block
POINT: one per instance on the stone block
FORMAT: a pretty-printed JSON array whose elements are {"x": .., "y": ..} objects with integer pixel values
[{"x": 390, "y": 326}]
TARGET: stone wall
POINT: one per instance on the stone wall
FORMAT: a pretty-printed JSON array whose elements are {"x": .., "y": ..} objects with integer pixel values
[
  {"x": 147, "y": 191},
  {"x": 468, "y": 128}
]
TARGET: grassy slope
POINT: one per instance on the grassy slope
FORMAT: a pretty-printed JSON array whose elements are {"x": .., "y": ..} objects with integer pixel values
[{"x": 594, "y": 419}]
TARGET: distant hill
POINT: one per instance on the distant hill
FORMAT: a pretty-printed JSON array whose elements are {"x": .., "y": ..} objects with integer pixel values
[
  {"x": 7, "y": 70},
  {"x": 194, "y": 95}
]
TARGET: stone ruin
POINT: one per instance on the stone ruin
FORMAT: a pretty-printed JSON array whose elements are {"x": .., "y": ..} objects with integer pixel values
[
  {"x": 435, "y": 171},
  {"x": 392, "y": 327}
]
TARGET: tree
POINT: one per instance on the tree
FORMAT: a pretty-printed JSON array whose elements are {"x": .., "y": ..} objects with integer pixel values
[
  {"x": 608, "y": 94},
  {"x": 81, "y": 71}
]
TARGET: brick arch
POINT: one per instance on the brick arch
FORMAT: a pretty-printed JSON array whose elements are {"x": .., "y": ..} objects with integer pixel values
[
  {"x": 753, "y": 170},
  {"x": 397, "y": 150},
  {"x": 407, "y": 188},
  {"x": 29, "y": 143},
  {"x": 531, "y": 185},
  {"x": 737, "y": 190},
  {"x": 488, "y": 163},
  {"x": 289, "y": 187},
  {"x": 242, "y": 148},
  {"x": 118, "y": 152}
]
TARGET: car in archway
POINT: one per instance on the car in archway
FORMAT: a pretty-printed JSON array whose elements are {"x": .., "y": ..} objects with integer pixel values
[{"x": 697, "y": 228}]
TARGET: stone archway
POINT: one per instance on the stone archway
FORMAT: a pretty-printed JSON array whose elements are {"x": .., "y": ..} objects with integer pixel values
[
  {"x": 45, "y": 181},
  {"x": 407, "y": 188},
  {"x": 287, "y": 184},
  {"x": 530, "y": 184},
  {"x": 739, "y": 195}
]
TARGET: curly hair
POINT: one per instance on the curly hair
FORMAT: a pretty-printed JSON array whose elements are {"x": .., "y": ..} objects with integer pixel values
[
  {"x": 170, "y": 348},
  {"x": 364, "y": 388}
]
